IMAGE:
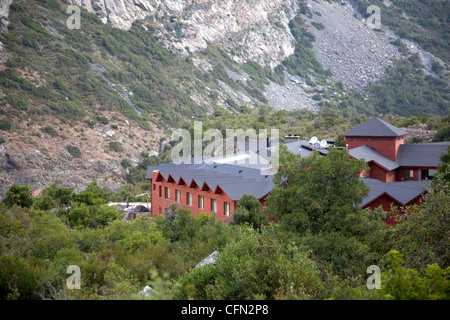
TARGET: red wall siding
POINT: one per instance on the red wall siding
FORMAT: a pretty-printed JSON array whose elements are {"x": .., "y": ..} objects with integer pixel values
[
  {"x": 377, "y": 173},
  {"x": 160, "y": 204},
  {"x": 385, "y": 202},
  {"x": 387, "y": 148}
]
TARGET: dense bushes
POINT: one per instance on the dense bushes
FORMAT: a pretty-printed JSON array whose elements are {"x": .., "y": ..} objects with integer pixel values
[
  {"x": 116, "y": 146},
  {"x": 50, "y": 131},
  {"x": 420, "y": 21},
  {"x": 5, "y": 124},
  {"x": 74, "y": 151},
  {"x": 18, "y": 195},
  {"x": 249, "y": 211},
  {"x": 118, "y": 258},
  {"x": 402, "y": 283},
  {"x": 257, "y": 266}
]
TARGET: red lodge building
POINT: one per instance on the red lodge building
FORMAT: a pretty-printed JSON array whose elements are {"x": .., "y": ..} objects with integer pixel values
[
  {"x": 205, "y": 187},
  {"x": 399, "y": 174}
]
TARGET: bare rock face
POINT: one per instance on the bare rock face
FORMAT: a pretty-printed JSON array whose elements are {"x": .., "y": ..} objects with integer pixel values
[
  {"x": 4, "y": 8},
  {"x": 356, "y": 54},
  {"x": 258, "y": 29},
  {"x": 4, "y": 13}
]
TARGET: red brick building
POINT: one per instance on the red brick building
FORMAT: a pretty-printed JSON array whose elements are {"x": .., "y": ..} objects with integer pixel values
[
  {"x": 205, "y": 187},
  {"x": 404, "y": 170},
  {"x": 399, "y": 174},
  {"x": 382, "y": 146},
  {"x": 396, "y": 194}
]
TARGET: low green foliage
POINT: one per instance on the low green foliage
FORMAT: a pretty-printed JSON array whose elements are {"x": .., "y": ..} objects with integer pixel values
[
  {"x": 50, "y": 131},
  {"x": 5, "y": 124},
  {"x": 116, "y": 146},
  {"x": 423, "y": 22},
  {"x": 249, "y": 211},
  {"x": 74, "y": 151},
  {"x": 18, "y": 195},
  {"x": 125, "y": 163},
  {"x": 310, "y": 261},
  {"x": 401, "y": 283},
  {"x": 318, "y": 25}
]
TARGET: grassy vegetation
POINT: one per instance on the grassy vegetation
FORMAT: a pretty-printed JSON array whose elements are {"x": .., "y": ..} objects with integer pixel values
[
  {"x": 74, "y": 151},
  {"x": 303, "y": 62},
  {"x": 67, "y": 60},
  {"x": 424, "y": 22}
]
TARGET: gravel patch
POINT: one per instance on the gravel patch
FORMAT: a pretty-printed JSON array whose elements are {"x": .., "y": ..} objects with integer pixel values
[
  {"x": 291, "y": 96},
  {"x": 356, "y": 54}
]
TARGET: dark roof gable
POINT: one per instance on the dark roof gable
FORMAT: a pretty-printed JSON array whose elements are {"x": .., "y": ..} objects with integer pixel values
[{"x": 375, "y": 128}]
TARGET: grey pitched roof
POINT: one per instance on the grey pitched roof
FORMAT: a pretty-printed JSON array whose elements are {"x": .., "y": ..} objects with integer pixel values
[
  {"x": 375, "y": 128},
  {"x": 302, "y": 147},
  {"x": 369, "y": 154},
  {"x": 403, "y": 192},
  {"x": 421, "y": 154},
  {"x": 232, "y": 179},
  {"x": 235, "y": 181}
]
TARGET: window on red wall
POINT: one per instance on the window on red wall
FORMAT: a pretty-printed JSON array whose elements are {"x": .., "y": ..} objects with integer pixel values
[
  {"x": 167, "y": 192},
  {"x": 189, "y": 199},
  {"x": 226, "y": 208},
  {"x": 200, "y": 202},
  {"x": 160, "y": 192},
  {"x": 154, "y": 186},
  {"x": 214, "y": 205},
  {"x": 177, "y": 195}
]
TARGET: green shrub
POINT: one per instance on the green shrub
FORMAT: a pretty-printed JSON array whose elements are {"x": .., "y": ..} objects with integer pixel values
[
  {"x": 102, "y": 120},
  {"x": 116, "y": 146},
  {"x": 318, "y": 25},
  {"x": 262, "y": 266},
  {"x": 16, "y": 7},
  {"x": 400, "y": 283},
  {"x": 18, "y": 280},
  {"x": 249, "y": 211},
  {"x": 197, "y": 284},
  {"x": 125, "y": 163},
  {"x": 74, "y": 151},
  {"x": 18, "y": 195},
  {"x": 5, "y": 124},
  {"x": 16, "y": 102},
  {"x": 30, "y": 23},
  {"x": 417, "y": 139},
  {"x": 93, "y": 216},
  {"x": 50, "y": 131}
]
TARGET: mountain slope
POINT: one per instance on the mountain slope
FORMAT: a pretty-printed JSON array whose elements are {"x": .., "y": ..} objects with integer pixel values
[{"x": 78, "y": 105}]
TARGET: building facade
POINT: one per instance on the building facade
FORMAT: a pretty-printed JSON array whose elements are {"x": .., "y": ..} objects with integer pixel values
[
  {"x": 211, "y": 188},
  {"x": 382, "y": 146},
  {"x": 398, "y": 174}
]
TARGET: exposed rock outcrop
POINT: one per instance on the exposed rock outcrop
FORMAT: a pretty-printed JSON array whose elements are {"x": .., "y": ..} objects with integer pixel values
[
  {"x": 257, "y": 28},
  {"x": 356, "y": 54},
  {"x": 4, "y": 13}
]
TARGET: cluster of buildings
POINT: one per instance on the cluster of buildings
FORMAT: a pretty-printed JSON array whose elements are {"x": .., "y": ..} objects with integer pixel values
[{"x": 399, "y": 173}]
